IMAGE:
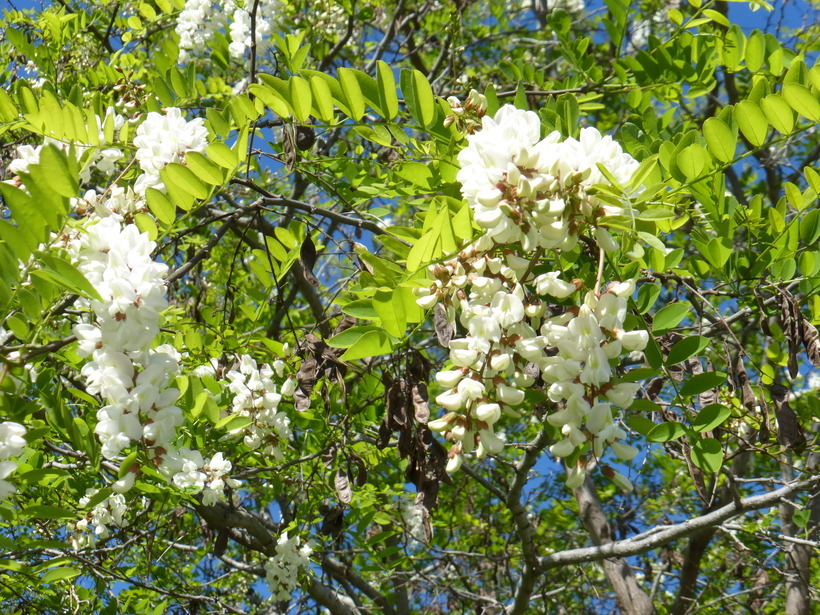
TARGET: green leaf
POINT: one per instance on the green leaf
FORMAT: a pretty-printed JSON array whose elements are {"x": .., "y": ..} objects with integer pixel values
[
  {"x": 778, "y": 112},
  {"x": 640, "y": 424},
  {"x": 233, "y": 422},
  {"x": 665, "y": 432},
  {"x": 686, "y": 348},
  {"x": 30, "y": 221},
  {"x": 160, "y": 206},
  {"x": 710, "y": 417},
  {"x": 300, "y": 98},
  {"x": 810, "y": 227},
  {"x": 802, "y": 100},
  {"x": 418, "y": 96},
  {"x": 390, "y": 308},
  {"x": 755, "y": 51},
  {"x": 322, "y": 99},
  {"x": 707, "y": 454},
  {"x": 352, "y": 92},
  {"x": 644, "y": 170},
  {"x": 272, "y": 97},
  {"x": 700, "y": 383},
  {"x": 181, "y": 176},
  {"x": 68, "y": 276},
  {"x": 691, "y": 161},
  {"x": 656, "y": 213},
  {"x": 371, "y": 344},
  {"x": 223, "y": 155},
  {"x": 360, "y": 308},
  {"x": 669, "y": 316},
  {"x": 386, "y": 83},
  {"x": 720, "y": 139},
  {"x": 752, "y": 122},
  {"x": 717, "y": 17},
  {"x": 718, "y": 251},
  {"x": 8, "y": 110},
  {"x": 204, "y": 169},
  {"x": 59, "y": 574},
  {"x": 61, "y": 180},
  {"x": 350, "y": 336},
  {"x": 647, "y": 295},
  {"x": 48, "y": 512}
]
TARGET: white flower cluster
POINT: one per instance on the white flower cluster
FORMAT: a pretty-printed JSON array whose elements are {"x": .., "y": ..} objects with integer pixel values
[
  {"x": 571, "y": 6},
  {"x": 110, "y": 511},
  {"x": 12, "y": 443},
  {"x": 162, "y": 139},
  {"x": 281, "y": 570},
  {"x": 256, "y": 396},
  {"x": 201, "y": 19},
  {"x": 187, "y": 469},
  {"x": 133, "y": 378},
  {"x": 130, "y": 376},
  {"x": 198, "y": 22},
  {"x": 116, "y": 201},
  {"x": 531, "y": 192},
  {"x": 581, "y": 379}
]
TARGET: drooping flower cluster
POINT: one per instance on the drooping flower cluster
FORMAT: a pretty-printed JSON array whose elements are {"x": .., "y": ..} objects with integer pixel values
[
  {"x": 201, "y": 19},
  {"x": 162, "y": 139},
  {"x": 530, "y": 195},
  {"x": 256, "y": 396},
  {"x": 133, "y": 378},
  {"x": 197, "y": 23},
  {"x": 581, "y": 379},
  {"x": 12, "y": 443},
  {"x": 111, "y": 511},
  {"x": 130, "y": 376},
  {"x": 187, "y": 469},
  {"x": 281, "y": 570}
]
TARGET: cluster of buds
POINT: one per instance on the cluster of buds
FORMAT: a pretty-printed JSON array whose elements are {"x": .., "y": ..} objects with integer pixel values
[
  {"x": 131, "y": 95},
  {"x": 467, "y": 117}
]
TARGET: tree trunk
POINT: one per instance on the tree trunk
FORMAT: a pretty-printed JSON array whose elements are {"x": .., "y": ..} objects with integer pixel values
[
  {"x": 798, "y": 556},
  {"x": 632, "y": 599}
]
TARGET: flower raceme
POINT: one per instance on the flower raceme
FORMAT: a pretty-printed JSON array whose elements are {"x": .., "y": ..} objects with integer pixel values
[
  {"x": 529, "y": 194},
  {"x": 132, "y": 376}
]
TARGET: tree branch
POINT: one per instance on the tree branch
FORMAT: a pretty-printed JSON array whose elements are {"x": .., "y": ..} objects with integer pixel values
[
  {"x": 659, "y": 536},
  {"x": 523, "y": 526}
]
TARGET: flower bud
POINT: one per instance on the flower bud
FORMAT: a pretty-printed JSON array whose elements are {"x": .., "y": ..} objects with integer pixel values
[
  {"x": 491, "y": 442},
  {"x": 489, "y": 413},
  {"x": 427, "y": 302},
  {"x": 575, "y": 477},
  {"x": 509, "y": 395},
  {"x": 633, "y": 340},
  {"x": 624, "y": 451},
  {"x": 449, "y": 378},
  {"x": 562, "y": 448},
  {"x": 454, "y": 463},
  {"x": 442, "y": 424}
]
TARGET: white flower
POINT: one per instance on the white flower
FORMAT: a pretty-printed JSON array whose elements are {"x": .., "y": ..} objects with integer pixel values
[
  {"x": 549, "y": 284},
  {"x": 12, "y": 440},
  {"x": 633, "y": 340}
]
